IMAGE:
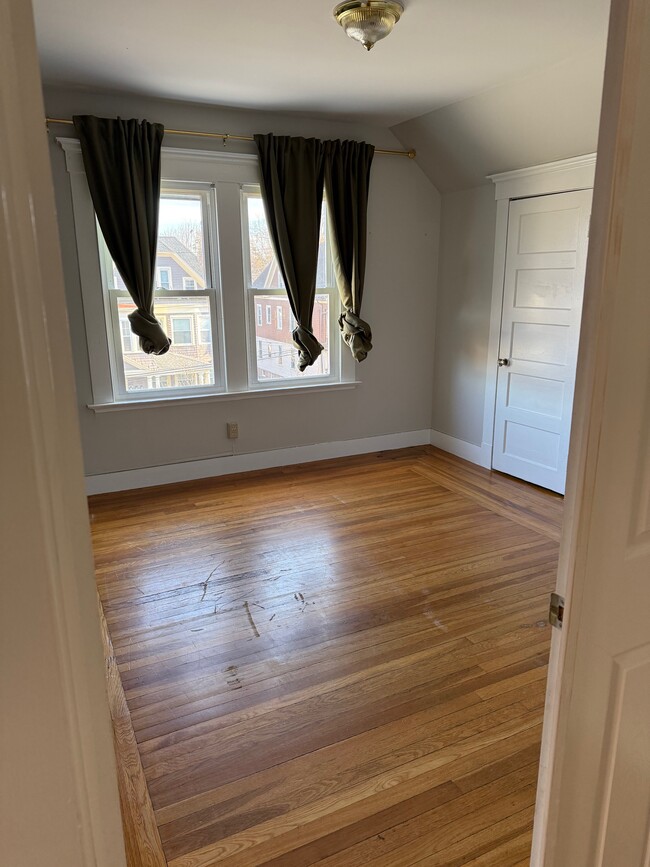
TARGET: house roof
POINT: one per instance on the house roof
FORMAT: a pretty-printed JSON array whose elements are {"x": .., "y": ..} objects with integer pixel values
[
  {"x": 170, "y": 244},
  {"x": 170, "y": 362},
  {"x": 271, "y": 278}
]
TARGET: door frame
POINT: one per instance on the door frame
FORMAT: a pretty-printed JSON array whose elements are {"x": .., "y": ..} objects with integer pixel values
[
  {"x": 619, "y": 124},
  {"x": 562, "y": 176},
  {"x": 62, "y": 804}
]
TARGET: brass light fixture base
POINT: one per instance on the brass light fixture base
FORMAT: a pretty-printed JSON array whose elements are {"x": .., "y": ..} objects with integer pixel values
[{"x": 368, "y": 21}]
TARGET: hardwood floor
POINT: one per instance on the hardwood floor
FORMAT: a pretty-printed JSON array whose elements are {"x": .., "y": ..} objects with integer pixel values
[{"x": 337, "y": 664}]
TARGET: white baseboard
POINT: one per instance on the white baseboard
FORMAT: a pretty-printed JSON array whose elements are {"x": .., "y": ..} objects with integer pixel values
[
  {"x": 481, "y": 455},
  {"x": 227, "y": 465}
]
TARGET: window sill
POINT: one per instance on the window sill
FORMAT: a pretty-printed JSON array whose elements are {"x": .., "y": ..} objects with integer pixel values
[{"x": 226, "y": 396}]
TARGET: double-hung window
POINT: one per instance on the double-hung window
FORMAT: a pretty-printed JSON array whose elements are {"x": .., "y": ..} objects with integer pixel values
[
  {"x": 184, "y": 257},
  {"x": 265, "y": 287},
  {"x": 218, "y": 291}
]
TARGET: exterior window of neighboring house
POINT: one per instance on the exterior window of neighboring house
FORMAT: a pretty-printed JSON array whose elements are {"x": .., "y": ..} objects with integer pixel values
[
  {"x": 129, "y": 340},
  {"x": 181, "y": 330},
  {"x": 193, "y": 306},
  {"x": 164, "y": 278},
  {"x": 205, "y": 329}
]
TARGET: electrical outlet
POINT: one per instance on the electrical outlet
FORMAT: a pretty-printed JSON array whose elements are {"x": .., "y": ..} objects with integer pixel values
[{"x": 233, "y": 430}]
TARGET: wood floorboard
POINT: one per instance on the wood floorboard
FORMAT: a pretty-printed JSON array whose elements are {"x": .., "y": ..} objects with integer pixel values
[{"x": 340, "y": 663}]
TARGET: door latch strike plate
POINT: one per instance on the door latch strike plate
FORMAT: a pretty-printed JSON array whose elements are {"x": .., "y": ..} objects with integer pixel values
[{"x": 556, "y": 611}]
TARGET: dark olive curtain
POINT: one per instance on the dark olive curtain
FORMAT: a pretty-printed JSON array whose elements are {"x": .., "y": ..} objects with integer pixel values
[
  {"x": 292, "y": 190},
  {"x": 347, "y": 180},
  {"x": 122, "y": 162}
]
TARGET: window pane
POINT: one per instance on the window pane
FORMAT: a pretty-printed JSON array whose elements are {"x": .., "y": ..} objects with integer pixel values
[
  {"x": 180, "y": 239},
  {"x": 264, "y": 270},
  {"x": 180, "y": 255},
  {"x": 276, "y": 355},
  {"x": 189, "y": 362}
]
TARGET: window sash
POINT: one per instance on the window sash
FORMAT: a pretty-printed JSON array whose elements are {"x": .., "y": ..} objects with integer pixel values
[
  {"x": 335, "y": 359},
  {"x": 115, "y": 346},
  {"x": 220, "y": 179}
]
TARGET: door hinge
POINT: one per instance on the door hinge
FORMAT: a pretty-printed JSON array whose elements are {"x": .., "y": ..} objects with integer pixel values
[{"x": 556, "y": 611}]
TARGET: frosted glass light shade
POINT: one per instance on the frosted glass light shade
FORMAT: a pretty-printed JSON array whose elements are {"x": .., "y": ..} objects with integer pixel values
[{"x": 368, "y": 22}]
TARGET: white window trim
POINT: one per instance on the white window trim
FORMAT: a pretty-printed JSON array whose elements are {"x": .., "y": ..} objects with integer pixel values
[
  {"x": 175, "y": 400},
  {"x": 269, "y": 315},
  {"x": 227, "y": 174},
  {"x": 186, "y": 281},
  {"x": 278, "y": 318}
]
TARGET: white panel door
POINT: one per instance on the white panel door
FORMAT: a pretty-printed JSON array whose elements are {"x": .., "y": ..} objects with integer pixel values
[
  {"x": 593, "y": 805},
  {"x": 540, "y": 328}
]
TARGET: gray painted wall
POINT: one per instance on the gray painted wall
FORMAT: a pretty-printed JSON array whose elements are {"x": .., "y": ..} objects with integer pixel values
[
  {"x": 397, "y": 378},
  {"x": 549, "y": 115},
  {"x": 463, "y": 313}
]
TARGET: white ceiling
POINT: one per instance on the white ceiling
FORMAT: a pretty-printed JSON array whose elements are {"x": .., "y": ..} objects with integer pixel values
[{"x": 281, "y": 55}]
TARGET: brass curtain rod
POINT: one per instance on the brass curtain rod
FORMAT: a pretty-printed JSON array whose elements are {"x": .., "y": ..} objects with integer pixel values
[{"x": 225, "y": 136}]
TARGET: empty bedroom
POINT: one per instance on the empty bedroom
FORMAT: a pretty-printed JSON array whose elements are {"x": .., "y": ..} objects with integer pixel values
[{"x": 324, "y": 272}]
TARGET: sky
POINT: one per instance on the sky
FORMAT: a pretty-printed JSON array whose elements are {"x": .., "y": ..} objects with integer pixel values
[{"x": 174, "y": 212}]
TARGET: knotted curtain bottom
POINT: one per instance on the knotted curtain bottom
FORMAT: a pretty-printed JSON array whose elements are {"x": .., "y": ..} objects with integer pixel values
[
  {"x": 153, "y": 339},
  {"x": 356, "y": 333},
  {"x": 309, "y": 348}
]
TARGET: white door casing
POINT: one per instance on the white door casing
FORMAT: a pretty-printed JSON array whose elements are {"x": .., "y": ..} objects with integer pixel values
[
  {"x": 593, "y": 805},
  {"x": 540, "y": 325},
  {"x": 561, "y": 176},
  {"x": 58, "y": 787}
]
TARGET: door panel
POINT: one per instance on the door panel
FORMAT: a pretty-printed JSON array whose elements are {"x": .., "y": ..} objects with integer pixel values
[
  {"x": 536, "y": 394},
  {"x": 593, "y": 806},
  {"x": 542, "y": 301},
  {"x": 549, "y": 231},
  {"x": 545, "y": 287}
]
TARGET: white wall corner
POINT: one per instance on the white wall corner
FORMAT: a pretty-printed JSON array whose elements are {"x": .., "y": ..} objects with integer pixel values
[
  {"x": 186, "y": 471},
  {"x": 481, "y": 455}
]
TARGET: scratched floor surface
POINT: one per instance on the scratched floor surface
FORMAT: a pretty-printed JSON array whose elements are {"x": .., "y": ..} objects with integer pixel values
[{"x": 336, "y": 664}]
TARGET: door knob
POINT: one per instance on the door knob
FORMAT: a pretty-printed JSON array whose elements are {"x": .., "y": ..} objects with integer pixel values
[{"x": 504, "y": 362}]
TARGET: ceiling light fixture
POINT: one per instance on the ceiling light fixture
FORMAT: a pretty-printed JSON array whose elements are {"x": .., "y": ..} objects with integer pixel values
[{"x": 368, "y": 21}]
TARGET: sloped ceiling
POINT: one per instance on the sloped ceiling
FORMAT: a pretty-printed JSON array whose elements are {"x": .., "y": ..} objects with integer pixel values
[{"x": 547, "y": 115}]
